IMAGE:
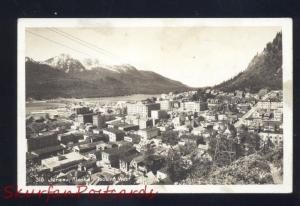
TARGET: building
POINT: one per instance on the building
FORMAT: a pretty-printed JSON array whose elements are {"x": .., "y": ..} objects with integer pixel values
[
  {"x": 63, "y": 161},
  {"x": 114, "y": 134},
  {"x": 278, "y": 115},
  {"x": 42, "y": 140},
  {"x": 84, "y": 118},
  {"x": 135, "y": 139},
  {"x": 166, "y": 105},
  {"x": 85, "y": 147},
  {"x": 128, "y": 127},
  {"x": 95, "y": 154},
  {"x": 82, "y": 110},
  {"x": 212, "y": 103},
  {"x": 198, "y": 130},
  {"x": 125, "y": 160},
  {"x": 87, "y": 165},
  {"x": 149, "y": 133},
  {"x": 48, "y": 151},
  {"x": 111, "y": 156},
  {"x": 142, "y": 122},
  {"x": 176, "y": 122},
  {"x": 275, "y": 137},
  {"x": 269, "y": 104},
  {"x": 143, "y": 110},
  {"x": 194, "y": 106},
  {"x": 99, "y": 121},
  {"x": 239, "y": 94},
  {"x": 162, "y": 173},
  {"x": 159, "y": 114},
  {"x": 138, "y": 163},
  {"x": 69, "y": 137}
]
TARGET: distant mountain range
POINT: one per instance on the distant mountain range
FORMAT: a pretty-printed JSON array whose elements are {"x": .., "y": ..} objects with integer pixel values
[
  {"x": 64, "y": 76},
  {"x": 264, "y": 70}
]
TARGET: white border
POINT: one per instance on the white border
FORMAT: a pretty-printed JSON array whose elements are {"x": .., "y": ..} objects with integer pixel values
[{"x": 284, "y": 23}]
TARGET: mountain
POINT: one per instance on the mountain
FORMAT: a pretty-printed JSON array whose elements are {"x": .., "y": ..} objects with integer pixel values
[
  {"x": 65, "y": 63},
  {"x": 64, "y": 76},
  {"x": 264, "y": 70}
]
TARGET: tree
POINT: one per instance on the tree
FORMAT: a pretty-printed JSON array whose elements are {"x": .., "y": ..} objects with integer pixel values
[
  {"x": 200, "y": 168},
  {"x": 176, "y": 166},
  {"x": 154, "y": 162},
  {"x": 188, "y": 148},
  {"x": 170, "y": 137}
]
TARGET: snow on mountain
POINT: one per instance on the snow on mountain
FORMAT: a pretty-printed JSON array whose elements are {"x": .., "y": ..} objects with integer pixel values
[{"x": 65, "y": 63}]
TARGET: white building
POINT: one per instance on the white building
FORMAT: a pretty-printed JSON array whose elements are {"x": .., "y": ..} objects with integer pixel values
[
  {"x": 143, "y": 110},
  {"x": 166, "y": 105},
  {"x": 269, "y": 104},
  {"x": 149, "y": 133},
  {"x": 195, "y": 106}
]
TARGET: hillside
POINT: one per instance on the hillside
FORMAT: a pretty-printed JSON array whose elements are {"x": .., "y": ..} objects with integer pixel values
[
  {"x": 264, "y": 70},
  {"x": 64, "y": 76},
  {"x": 252, "y": 169}
]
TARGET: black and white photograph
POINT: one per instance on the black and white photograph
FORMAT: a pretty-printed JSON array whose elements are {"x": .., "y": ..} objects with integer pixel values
[{"x": 179, "y": 105}]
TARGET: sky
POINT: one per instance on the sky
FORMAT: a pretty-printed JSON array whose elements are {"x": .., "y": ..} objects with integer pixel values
[{"x": 196, "y": 56}]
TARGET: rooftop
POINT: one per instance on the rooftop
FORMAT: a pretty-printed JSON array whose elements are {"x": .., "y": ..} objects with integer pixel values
[
  {"x": 63, "y": 159},
  {"x": 47, "y": 150},
  {"x": 116, "y": 131},
  {"x": 150, "y": 129}
]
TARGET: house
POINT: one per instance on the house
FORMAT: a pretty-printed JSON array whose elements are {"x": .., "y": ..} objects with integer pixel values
[
  {"x": 124, "y": 161},
  {"x": 239, "y": 94},
  {"x": 149, "y": 133},
  {"x": 176, "y": 122},
  {"x": 112, "y": 155},
  {"x": 162, "y": 173},
  {"x": 257, "y": 114},
  {"x": 138, "y": 163},
  {"x": 114, "y": 134},
  {"x": 198, "y": 130}
]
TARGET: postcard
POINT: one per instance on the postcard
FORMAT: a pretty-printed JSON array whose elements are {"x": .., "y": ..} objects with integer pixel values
[{"x": 150, "y": 105}]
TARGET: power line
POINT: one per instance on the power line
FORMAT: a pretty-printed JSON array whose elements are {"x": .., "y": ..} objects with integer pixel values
[
  {"x": 88, "y": 43},
  {"x": 75, "y": 40},
  {"x": 84, "y": 43},
  {"x": 63, "y": 45}
]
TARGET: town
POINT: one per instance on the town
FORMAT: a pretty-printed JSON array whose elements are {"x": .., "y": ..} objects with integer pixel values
[{"x": 176, "y": 138}]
